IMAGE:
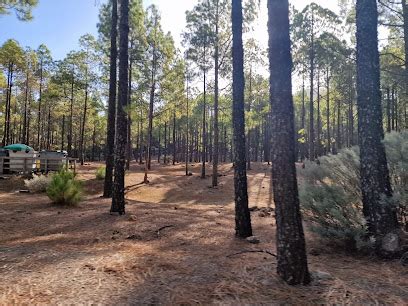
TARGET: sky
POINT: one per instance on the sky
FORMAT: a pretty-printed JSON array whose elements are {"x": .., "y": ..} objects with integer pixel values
[{"x": 60, "y": 23}]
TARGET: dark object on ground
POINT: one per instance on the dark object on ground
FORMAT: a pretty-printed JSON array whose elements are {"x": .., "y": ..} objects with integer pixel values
[{"x": 251, "y": 251}]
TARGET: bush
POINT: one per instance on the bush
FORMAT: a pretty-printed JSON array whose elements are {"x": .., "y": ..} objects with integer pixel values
[
  {"x": 100, "y": 173},
  {"x": 64, "y": 189},
  {"x": 330, "y": 195},
  {"x": 38, "y": 183}
]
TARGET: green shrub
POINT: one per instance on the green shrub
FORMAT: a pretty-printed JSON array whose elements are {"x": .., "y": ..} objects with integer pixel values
[
  {"x": 330, "y": 193},
  {"x": 100, "y": 173},
  {"x": 64, "y": 189}
]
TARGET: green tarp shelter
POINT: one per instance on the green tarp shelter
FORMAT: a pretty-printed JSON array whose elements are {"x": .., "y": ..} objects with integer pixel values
[{"x": 19, "y": 148}]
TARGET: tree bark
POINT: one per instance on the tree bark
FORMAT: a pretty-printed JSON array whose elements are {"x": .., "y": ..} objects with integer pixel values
[
  {"x": 375, "y": 180},
  {"x": 311, "y": 104},
  {"x": 118, "y": 197},
  {"x": 243, "y": 226},
  {"x": 39, "y": 108},
  {"x": 216, "y": 97},
  {"x": 111, "y": 125},
  {"x": 81, "y": 144},
  {"x": 204, "y": 135},
  {"x": 291, "y": 256},
  {"x": 328, "y": 110}
]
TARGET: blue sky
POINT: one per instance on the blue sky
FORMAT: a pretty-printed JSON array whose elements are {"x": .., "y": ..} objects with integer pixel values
[{"x": 57, "y": 23}]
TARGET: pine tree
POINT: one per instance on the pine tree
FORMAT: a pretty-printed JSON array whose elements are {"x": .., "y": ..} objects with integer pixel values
[
  {"x": 110, "y": 141},
  {"x": 375, "y": 179},
  {"x": 292, "y": 261},
  {"x": 243, "y": 226},
  {"x": 118, "y": 197}
]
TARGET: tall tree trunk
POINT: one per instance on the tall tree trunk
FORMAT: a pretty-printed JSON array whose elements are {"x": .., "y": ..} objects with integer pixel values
[
  {"x": 174, "y": 138},
  {"x": 204, "y": 135},
  {"x": 292, "y": 260},
  {"x": 351, "y": 110},
  {"x": 93, "y": 144},
  {"x": 188, "y": 121},
  {"x": 24, "y": 138},
  {"x": 303, "y": 122},
  {"x": 6, "y": 138},
  {"x": 129, "y": 152},
  {"x": 405, "y": 20},
  {"x": 111, "y": 125},
  {"x": 71, "y": 114},
  {"x": 39, "y": 108},
  {"x": 319, "y": 120},
  {"x": 28, "y": 119},
  {"x": 49, "y": 127},
  {"x": 63, "y": 133},
  {"x": 81, "y": 145},
  {"x": 375, "y": 180},
  {"x": 165, "y": 142},
  {"x": 243, "y": 226},
  {"x": 311, "y": 105},
  {"x": 392, "y": 108},
  {"x": 339, "y": 140},
  {"x": 118, "y": 197},
  {"x": 328, "y": 110},
  {"x": 152, "y": 97},
  {"x": 248, "y": 144},
  {"x": 216, "y": 97}
]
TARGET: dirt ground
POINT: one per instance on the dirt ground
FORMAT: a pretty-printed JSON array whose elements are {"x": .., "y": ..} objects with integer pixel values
[{"x": 175, "y": 246}]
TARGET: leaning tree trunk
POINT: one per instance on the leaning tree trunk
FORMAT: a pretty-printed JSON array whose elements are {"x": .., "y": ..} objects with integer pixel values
[
  {"x": 291, "y": 257},
  {"x": 243, "y": 226},
  {"x": 110, "y": 139},
  {"x": 118, "y": 197},
  {"x": 375, "y": 180}
]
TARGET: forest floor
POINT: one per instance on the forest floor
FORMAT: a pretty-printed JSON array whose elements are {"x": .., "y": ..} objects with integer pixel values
[{"x": 172, "y": 247}]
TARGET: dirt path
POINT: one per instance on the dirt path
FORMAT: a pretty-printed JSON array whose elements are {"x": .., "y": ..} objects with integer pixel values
[{"x": 51, "y": 255}]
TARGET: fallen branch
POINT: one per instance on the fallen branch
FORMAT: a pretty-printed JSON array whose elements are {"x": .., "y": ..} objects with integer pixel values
[
  {"x": 252, "y": 251},
  {"x": 162, "y": 228}
]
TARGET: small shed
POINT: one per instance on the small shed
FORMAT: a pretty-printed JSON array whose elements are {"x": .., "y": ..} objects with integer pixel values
[
  {"x": 52, "y": 160},
  {"x": 21, "y": 158}
]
